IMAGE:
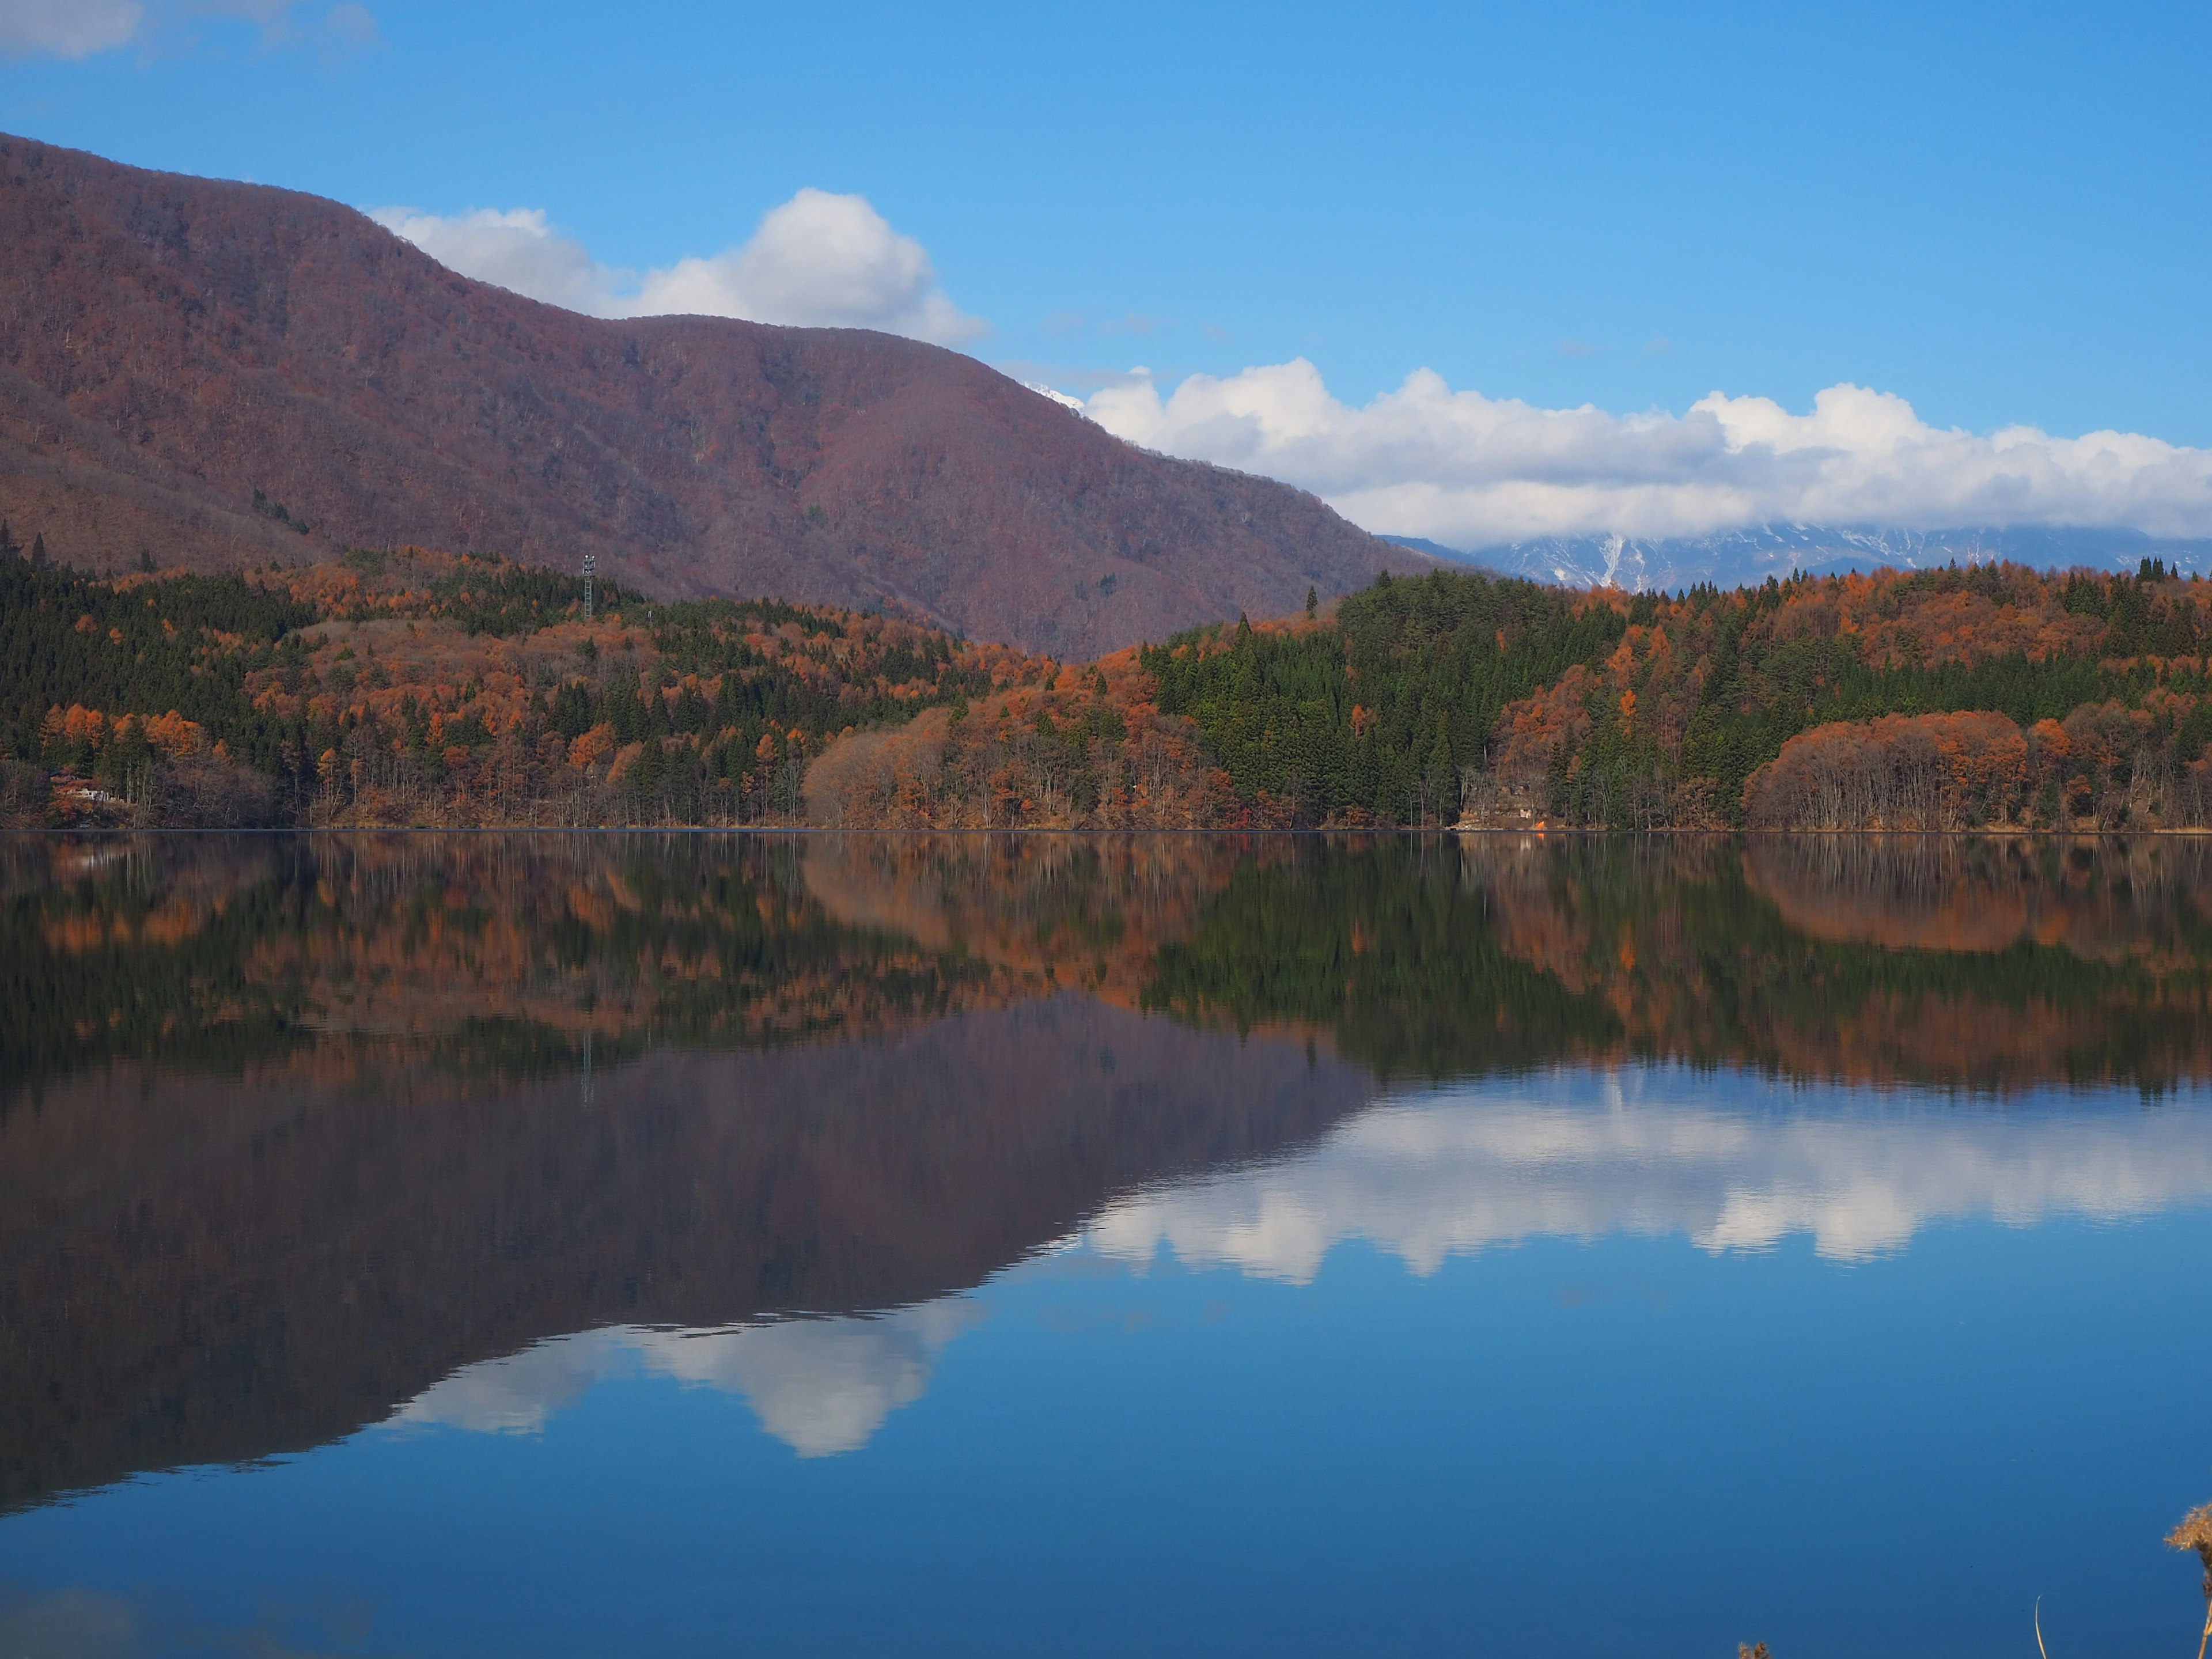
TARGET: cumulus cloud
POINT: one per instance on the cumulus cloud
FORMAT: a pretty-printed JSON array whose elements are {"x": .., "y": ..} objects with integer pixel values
[
  {"x": 515, "y": 249},
  {"x": 1472, "y": 472},
  {"x": 819, "y": 260},
  {"x": 825, "y": 260},
  {"x": 68, "y": 29}
]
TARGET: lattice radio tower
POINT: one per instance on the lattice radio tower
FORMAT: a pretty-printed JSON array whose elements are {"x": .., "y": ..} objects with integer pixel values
[{"x": 591, "y": 570}]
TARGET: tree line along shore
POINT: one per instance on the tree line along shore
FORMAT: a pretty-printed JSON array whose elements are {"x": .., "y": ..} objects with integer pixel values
[{"x": 414, "y": 687}]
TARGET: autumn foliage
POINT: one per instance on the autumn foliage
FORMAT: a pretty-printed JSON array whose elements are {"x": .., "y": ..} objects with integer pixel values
[
  {"x": 1953, "y": 698},
  {"x": 1086, "y": 748},
  {"x": 1499, "y": 704},
  {"x": 1975, "y": 770},
  {"x": 413, "y": 687},
  {"x": 420, "y": 688}
]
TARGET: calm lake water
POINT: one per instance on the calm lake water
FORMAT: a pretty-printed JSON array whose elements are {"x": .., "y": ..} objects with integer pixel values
[{"x": 614, "y": 1245}]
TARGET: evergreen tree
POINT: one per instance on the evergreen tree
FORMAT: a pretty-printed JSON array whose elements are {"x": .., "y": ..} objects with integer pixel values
[{"x": 1438, "y": 776}]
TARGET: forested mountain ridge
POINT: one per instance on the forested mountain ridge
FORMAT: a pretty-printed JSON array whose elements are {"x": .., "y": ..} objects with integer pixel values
[
  {"x": 414, "y": 687},
  {"x": 214, "y": 374}
]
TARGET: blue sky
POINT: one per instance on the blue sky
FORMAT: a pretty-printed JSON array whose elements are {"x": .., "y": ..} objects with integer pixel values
[{"x": 1998, "y": 213}]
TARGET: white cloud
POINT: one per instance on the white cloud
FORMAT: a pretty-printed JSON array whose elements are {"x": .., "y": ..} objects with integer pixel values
[
  {"x": 516, "y": 249},
  {"x": 68, "y": 29},
  {"x": 79, "y": 28},
  {"x": 1660, "y": 1151},
  {"x": 820, "y": 261},
  {"x": 1472, "y": 472}
]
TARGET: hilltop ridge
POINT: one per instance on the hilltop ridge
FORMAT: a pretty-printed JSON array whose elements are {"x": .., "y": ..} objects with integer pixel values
[{"x": 215, "y": 375}]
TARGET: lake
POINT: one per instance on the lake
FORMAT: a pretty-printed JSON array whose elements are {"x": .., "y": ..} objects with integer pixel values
[{"x": 1178, "y": 1245}]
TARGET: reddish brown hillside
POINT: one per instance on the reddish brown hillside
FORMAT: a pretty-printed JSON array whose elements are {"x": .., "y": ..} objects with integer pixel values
[{"x": 170, "y": 346}]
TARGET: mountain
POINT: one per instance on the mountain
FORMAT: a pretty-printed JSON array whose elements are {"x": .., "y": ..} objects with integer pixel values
[
  {"x": 193, "y": 370},
  {"x": 1738, "y": 558}
]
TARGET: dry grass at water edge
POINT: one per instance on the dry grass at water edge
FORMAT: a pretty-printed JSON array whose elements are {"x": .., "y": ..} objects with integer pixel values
[{"x": 2195, "y": 1533}]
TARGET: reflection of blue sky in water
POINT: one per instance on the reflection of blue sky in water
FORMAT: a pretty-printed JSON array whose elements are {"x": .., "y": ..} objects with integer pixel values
[
  {"x": 1729, "y": 1161},
  {"x": 1535, "y": 1312},
  {"x": 822, "y": 1385},
  {"x": 1657, "y": 1150}
]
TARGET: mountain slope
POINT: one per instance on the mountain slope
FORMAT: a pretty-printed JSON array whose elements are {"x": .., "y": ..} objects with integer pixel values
[{"x": 171, "y": 346}]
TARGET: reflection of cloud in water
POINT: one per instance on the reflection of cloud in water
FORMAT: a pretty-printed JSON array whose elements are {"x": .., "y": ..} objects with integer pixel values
[
  {"x": 66, "y": 1624},
  {"x": 822, "y": 1385},
  {"x": 516, "y": 1395},
  {"x": 76, "y": 1623},
  {"x": 1657, "y": 1150}
]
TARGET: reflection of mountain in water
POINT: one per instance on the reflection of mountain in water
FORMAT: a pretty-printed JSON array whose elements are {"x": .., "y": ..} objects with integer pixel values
[
  {"x": 201, "y": 1271},
  {"x": 1644, "y": 1151},
  {"x": 293, "y": 1130}
]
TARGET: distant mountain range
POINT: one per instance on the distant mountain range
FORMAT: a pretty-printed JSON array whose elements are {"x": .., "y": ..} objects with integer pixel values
[
  {"x": 211, "y": 374},
  {"x": 1735, "y": 558}
]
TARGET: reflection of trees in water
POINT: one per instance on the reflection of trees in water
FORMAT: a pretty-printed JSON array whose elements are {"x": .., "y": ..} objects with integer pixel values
[
  {"x": 1985, "y": 965},
  {"x": 1088, "y": 911},
  {"x": 500, "y": 953},
  {"x": 2145, "y": 898},
  {"x": 1976, "y": 964},
  {"x": 135, "y": 946},
  {"x": 1389, "y": 945},
  {"x": 1992, "y": 962}
]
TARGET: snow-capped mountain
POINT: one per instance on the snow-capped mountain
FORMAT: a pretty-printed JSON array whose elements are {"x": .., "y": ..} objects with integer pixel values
[{"x": 1732, "y": 558}]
